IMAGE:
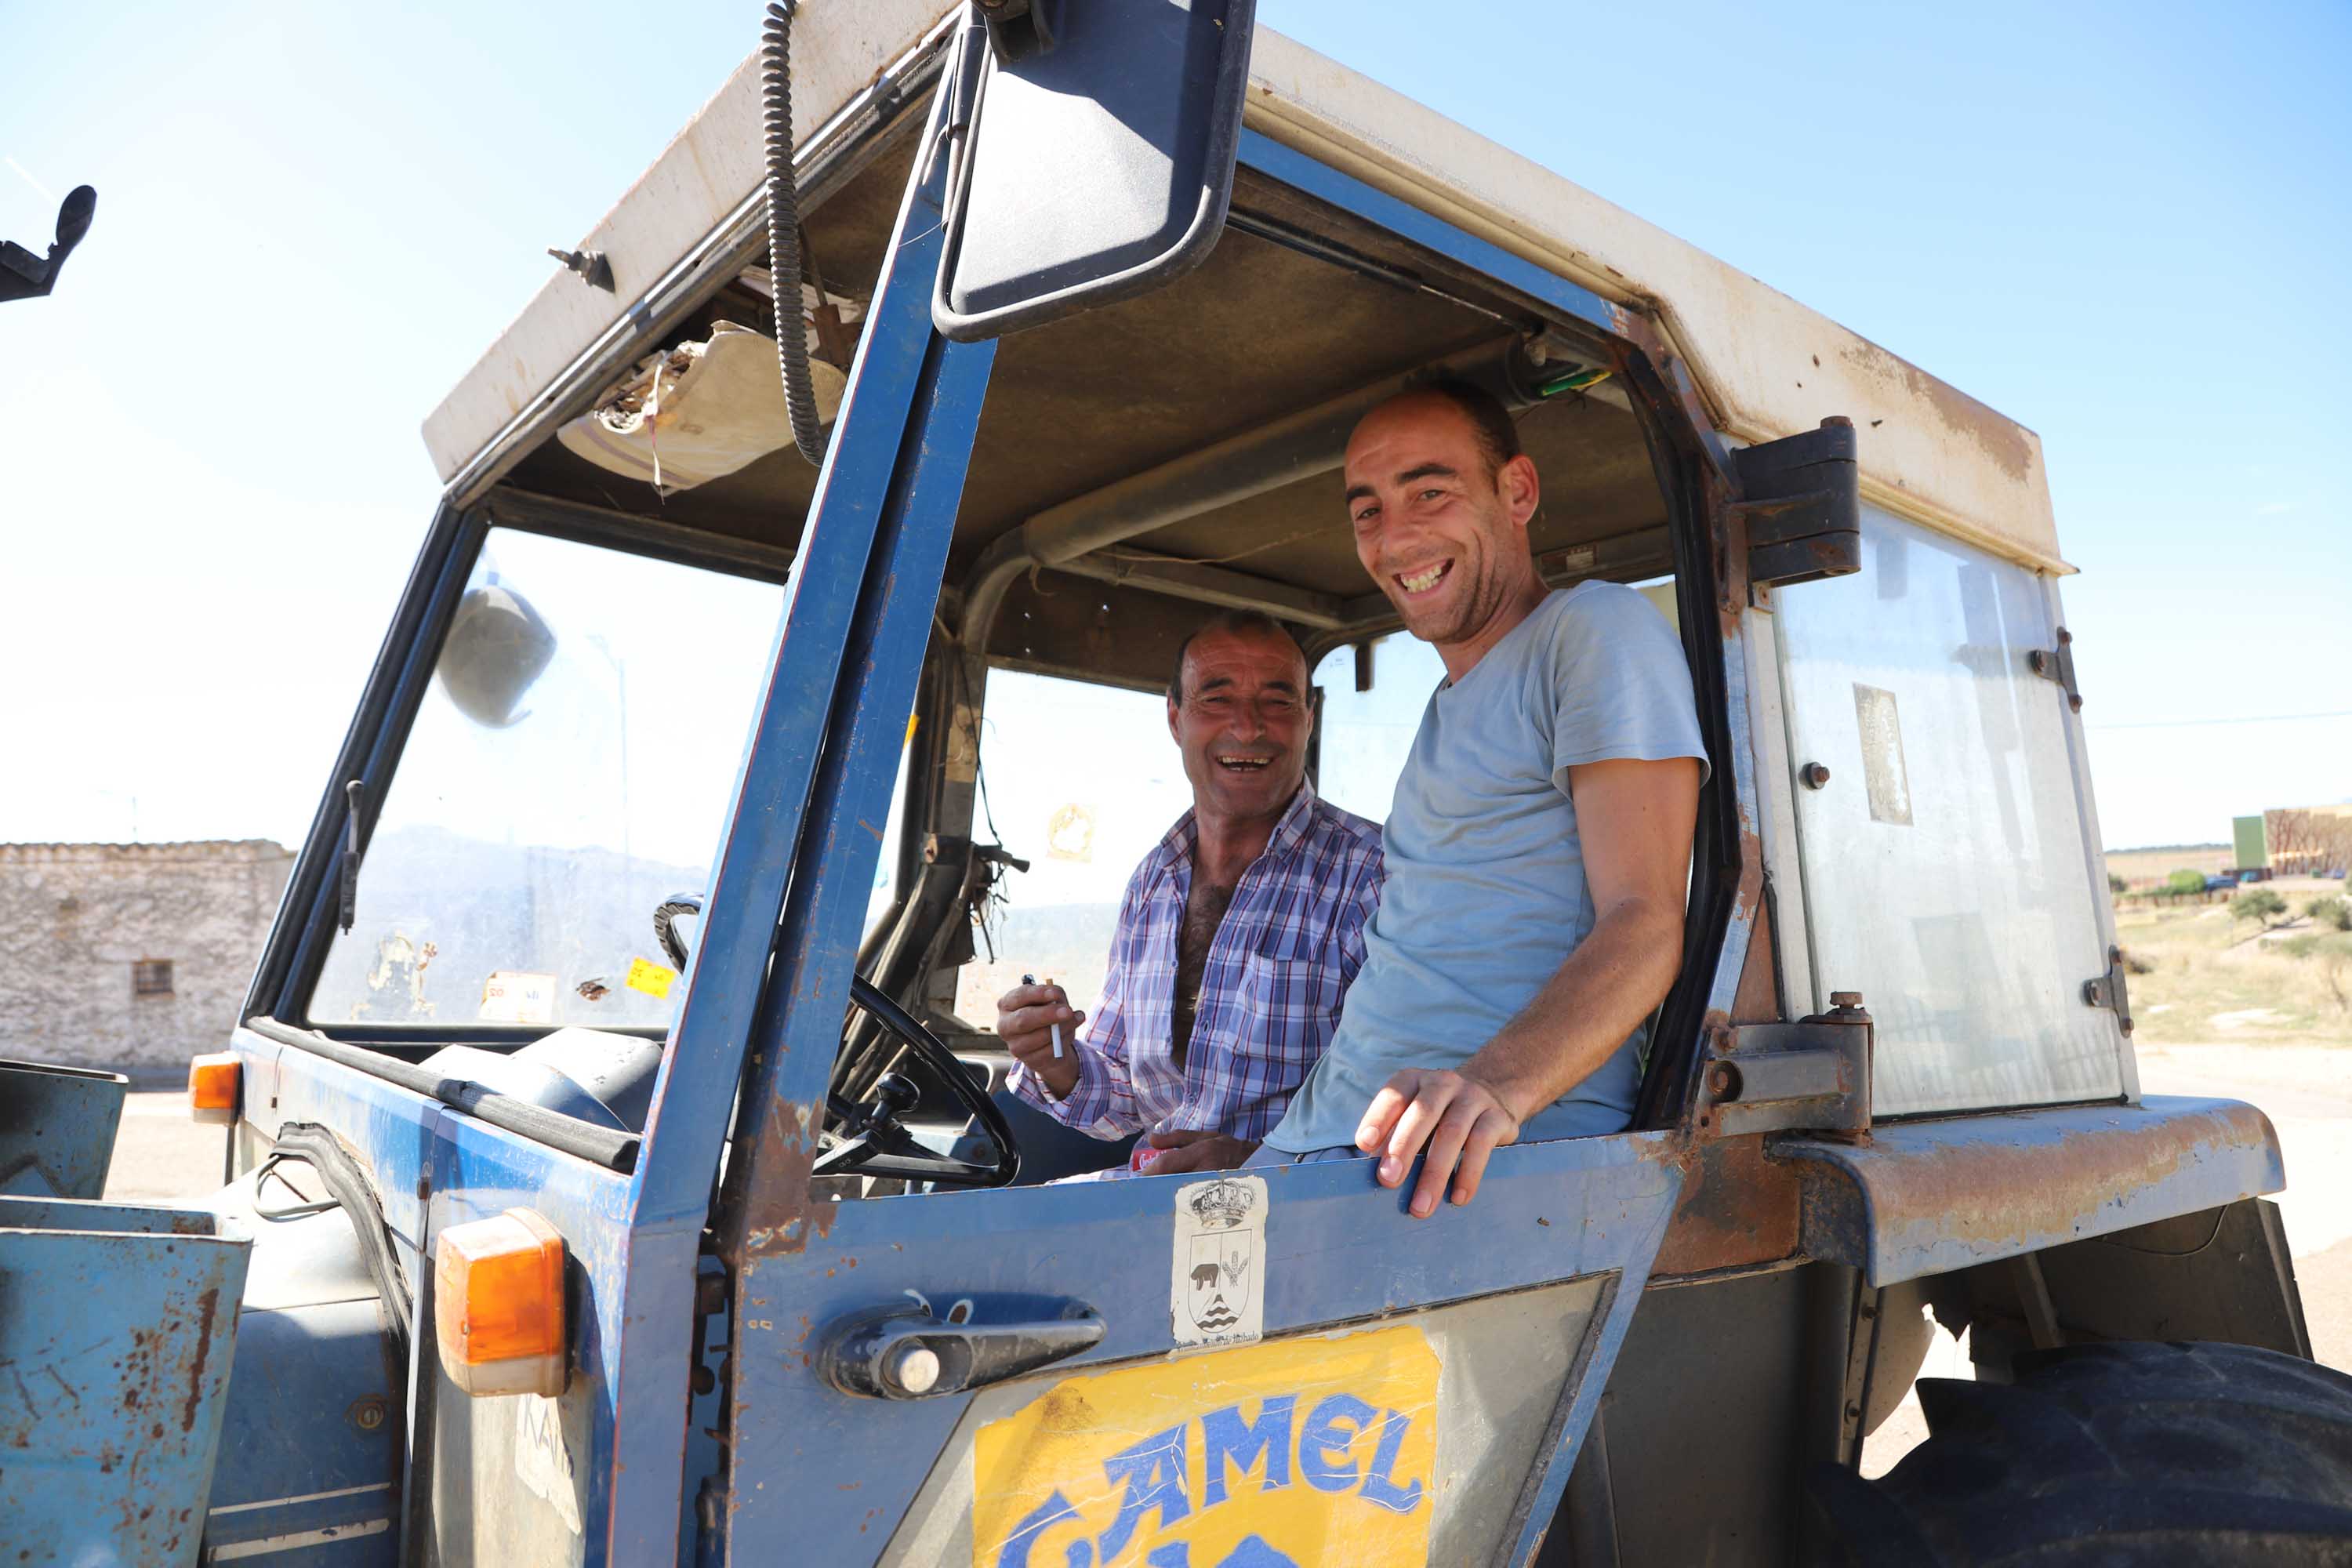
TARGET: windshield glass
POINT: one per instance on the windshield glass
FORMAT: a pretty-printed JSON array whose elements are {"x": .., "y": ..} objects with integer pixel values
[
  {"x": 569, "y": 768},
  {"x": 1080, "y": 780}
]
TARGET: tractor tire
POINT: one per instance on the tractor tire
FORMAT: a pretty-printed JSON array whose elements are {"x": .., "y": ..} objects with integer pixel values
[{"x": 2123, "y": 1455}]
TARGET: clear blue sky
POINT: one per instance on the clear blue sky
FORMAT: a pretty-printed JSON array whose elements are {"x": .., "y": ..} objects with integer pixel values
[{"x": 2125, "y": 226}]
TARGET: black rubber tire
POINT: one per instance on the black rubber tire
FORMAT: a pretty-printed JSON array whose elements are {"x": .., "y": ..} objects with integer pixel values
[{"x": 2119, "y": 1455}]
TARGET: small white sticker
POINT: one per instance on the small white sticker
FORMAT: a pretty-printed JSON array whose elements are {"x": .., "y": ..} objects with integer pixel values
[
  {"x": 1216, "y": 1288},
  {"x": 515, "y": 996}
]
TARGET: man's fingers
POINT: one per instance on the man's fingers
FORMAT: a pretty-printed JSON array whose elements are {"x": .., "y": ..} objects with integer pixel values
[
  {"x": 1414, "y": 1128},
  {"x": 1177, "y": 1137},
  {"x": 1445, "y": 1142},
  {"x": 1037, "y": 1020},
  {"x": 1491, "y": 1132},
  {"x": 1381, "y": 1116}
]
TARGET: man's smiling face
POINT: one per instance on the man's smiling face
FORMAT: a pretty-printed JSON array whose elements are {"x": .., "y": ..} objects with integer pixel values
[
  {"x": 1242, "y": 724},
  {"x": 1439, "y": 525}
]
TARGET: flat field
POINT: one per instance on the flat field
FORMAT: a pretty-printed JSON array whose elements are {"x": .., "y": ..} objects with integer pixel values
[
  {"x": 2142, "y": 866},
  {"x": 2210, "y": 977}
]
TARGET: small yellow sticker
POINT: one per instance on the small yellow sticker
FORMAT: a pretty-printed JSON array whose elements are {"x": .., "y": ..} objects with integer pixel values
[
  {"x": 1294, "y": 1453},
  {"x": 653, "y": 979}
]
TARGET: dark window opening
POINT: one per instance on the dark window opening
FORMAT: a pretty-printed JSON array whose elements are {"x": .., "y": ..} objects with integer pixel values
[{"x": 151, "y": 977}]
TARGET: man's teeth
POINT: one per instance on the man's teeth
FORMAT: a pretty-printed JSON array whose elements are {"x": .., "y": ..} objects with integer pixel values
[
  {"x": 1245, "y": 762},
  {"x": 1420, "y": 581}
]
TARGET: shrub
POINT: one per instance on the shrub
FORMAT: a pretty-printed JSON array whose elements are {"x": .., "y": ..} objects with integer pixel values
[
  {"x": 2258, "y": 904},
  {"x": 2185, "y": 882},
  {"x": 2331, "y": 912},
  {"x": 2116, "y": 886}
]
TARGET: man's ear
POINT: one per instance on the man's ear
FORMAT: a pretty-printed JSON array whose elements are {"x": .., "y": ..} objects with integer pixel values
[
  {"x": 1521, "y": 488},
  {"x": 1171, "y": 721}
]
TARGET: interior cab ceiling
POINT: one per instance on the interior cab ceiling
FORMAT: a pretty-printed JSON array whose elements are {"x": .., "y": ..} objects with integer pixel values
[{"x": 1297, "y": 305}]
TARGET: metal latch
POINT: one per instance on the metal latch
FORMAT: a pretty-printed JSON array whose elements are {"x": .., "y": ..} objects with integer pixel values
[
  {"x": 2058, "y": 664},
  {"x": 1812, "y": 1074},
  {"x": 904, "y": 1352},
  {"x": 2110, "y": 990}
]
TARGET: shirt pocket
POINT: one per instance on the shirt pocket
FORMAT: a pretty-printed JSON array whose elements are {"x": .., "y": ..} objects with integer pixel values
[{"x": 1292, "y": 990}]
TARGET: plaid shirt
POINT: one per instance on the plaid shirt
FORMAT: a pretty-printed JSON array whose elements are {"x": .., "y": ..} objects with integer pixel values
[{"x": 1281, "y": 963}]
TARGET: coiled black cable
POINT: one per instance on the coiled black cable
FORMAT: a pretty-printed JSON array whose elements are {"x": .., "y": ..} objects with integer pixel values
[{"x": 784, "y": 259}]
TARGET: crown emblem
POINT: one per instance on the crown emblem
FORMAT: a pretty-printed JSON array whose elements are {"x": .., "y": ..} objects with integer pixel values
[{"x": 1221, "y": 1205}]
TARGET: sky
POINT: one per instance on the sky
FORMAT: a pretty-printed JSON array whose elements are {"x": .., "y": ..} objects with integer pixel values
[{"x": 2123, "y": 226}]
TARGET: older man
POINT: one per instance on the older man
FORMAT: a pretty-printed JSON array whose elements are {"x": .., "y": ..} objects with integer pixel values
[
  {"x": 1538, "y": 846},
  {"x": 1239, "y": 934}
]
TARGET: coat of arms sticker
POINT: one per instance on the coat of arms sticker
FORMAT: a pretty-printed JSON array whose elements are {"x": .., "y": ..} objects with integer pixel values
[{"x": 1217, "y": 1282}]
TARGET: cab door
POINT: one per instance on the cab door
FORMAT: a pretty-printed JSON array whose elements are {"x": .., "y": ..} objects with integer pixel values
[
  {"x": 1271, "y": 1366},
  {"x": 1274, "y": 1365}
]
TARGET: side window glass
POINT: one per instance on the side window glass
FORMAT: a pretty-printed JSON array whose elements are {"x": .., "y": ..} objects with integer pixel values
[
  {"x": 1366, "y": 734},
  {"x": 1080, "y": 780},
  {"x": 885, "y": 896}
]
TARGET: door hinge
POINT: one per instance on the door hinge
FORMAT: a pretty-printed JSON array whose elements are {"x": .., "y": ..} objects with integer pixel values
[
  {"x": 2110, "y": 991},
  {"x": 1813, "y": 1076},
  {"x": 1801, "y": 498},
  {"x": 2058, "y": 664}
]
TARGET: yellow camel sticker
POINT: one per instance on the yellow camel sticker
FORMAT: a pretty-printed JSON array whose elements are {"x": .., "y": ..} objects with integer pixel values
[{"x": 1288, "y": 1455}]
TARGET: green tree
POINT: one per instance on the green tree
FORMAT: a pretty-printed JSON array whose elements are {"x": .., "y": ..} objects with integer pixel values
[
  {"x": 2185, "y": 882},
  {"x": 2116, "y": 886},
  {"x": 2257, "y": 904},
  {"x": 2330, "y": 911}
]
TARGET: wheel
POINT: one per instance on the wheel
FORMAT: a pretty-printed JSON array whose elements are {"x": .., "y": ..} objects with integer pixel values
[
  {"x": 864, "y": 1133},
  {"x": 2124, "y": 1455}
]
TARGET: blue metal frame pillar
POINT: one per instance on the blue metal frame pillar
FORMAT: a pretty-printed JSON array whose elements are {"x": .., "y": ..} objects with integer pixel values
[{"x": 845, "y": 667}]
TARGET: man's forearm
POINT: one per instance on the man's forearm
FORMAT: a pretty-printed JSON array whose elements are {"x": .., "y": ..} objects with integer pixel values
[{"x": 1612, "y": 981}]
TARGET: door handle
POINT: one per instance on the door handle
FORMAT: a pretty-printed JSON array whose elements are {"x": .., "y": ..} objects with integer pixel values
[{"x": 904, "y": 1352}]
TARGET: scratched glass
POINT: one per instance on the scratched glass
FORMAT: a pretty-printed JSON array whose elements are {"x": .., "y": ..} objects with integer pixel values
[
  {"x": 569, "y": 768},
  {"x": 1948, "y": 876}
]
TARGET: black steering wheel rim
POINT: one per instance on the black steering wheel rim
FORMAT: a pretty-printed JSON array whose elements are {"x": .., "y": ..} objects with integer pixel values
[{"x": 888, "y": 1150}]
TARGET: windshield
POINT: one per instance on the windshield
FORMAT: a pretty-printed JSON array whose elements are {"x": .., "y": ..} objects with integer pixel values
[
  {"x": 569, "y": 768},
  {"x": 1080, "y": 780}
]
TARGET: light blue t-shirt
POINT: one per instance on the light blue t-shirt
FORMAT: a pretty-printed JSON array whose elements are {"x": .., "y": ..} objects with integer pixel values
[{"x": 1487, "y": 894}]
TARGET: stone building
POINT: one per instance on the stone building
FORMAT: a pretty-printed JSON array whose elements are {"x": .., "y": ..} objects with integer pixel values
[{"x": 133, "y": 957}]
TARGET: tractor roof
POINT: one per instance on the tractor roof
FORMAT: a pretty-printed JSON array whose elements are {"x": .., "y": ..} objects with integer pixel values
[{"x": 1764, "y": 365}]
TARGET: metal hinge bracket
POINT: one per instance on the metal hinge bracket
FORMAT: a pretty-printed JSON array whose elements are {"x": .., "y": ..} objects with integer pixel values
[
  {"x": 1813, "y": 1076},
  {"x": 2110, "y": 991},
  {"x": 2058, "y": 664},
  {"x": 1801, "y": 501}
]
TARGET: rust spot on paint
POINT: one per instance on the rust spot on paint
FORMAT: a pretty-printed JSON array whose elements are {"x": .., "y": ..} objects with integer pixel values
[
  {"x": 1737, "y": 1209},
  {"x": 2006, "y": 444},
  {"x": 211, "y": 1301}
]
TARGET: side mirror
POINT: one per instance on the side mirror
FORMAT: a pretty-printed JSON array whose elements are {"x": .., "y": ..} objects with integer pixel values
[
  {"x": 498, "y": 647},
  {"x": 1096, "y": 155},
  {"x": 23, "y": 275}
]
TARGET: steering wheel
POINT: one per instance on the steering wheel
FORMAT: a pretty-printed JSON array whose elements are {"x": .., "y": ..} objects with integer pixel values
[{"x": 868, "y": 1136}]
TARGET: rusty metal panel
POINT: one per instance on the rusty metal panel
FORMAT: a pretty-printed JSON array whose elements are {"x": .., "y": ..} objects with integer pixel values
[
  {"x": 1739, "y": 1210},
  {"x": 1927, "y": 1197},
  {"x": 57, "y": 1129},
  {"x": 117, "y": 1326}
]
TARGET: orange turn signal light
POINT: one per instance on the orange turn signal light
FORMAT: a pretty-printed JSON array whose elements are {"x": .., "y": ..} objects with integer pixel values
[
  {"x": 498, "y": 1306},
  {"x": 212, "y": 1087}
]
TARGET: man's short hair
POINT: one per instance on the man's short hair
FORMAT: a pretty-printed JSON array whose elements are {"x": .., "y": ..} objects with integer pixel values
[
  {"x": 1490, "y": 422},
  {"x": 1254, "y": 623}
]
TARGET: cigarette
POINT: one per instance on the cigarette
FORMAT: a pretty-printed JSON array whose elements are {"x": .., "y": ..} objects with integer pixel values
[{"x": 1032, "y": 980}]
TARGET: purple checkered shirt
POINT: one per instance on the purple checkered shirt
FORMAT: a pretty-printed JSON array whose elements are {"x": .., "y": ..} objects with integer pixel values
[{"x": 1281, "y": 963}]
